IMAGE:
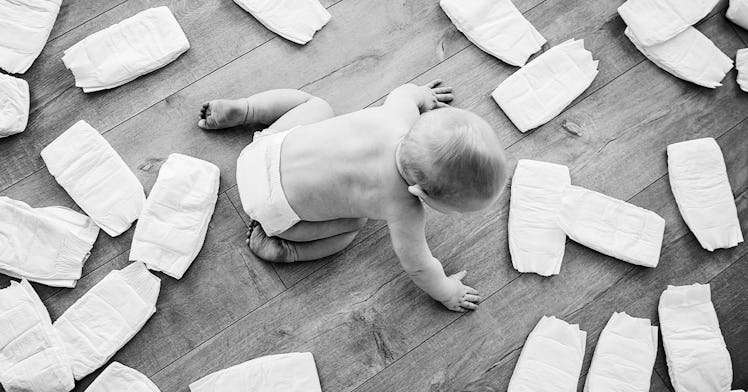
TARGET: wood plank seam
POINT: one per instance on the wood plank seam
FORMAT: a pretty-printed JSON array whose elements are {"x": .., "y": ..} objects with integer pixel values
[{"x": 86, "y": 21}]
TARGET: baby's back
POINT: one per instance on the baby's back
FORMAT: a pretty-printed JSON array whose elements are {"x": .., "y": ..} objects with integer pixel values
[{"x": 341, "y": 167}]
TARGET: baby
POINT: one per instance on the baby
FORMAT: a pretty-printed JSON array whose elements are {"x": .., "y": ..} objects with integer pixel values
[{"x": 311, "y": 179}]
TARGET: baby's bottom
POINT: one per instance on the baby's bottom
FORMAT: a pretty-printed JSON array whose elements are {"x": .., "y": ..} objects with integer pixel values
[
  {"x": 283, "y": 110},
  {"x": 305, "y": 240}
]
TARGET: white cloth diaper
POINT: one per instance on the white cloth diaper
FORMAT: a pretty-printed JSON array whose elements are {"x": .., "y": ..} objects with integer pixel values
[
  {"x": 624, "y": 356},
  {"x": 24, "y": 29},
  {"x": 292, "y": 372},
  {"x": 127, "y": 50},
  {"x": 698, "y": 178},
  {"x": 98, "y": 324},
  {"x": 172, "y": 226},
  {"x": 95, "y": 176},
  {"x": 118, "y": 377},
  {"x": 551, "y": 359},
  {"x": 738, "y": 13},
  {"x": 697, "y": 358},
  {"x": 611, "y": 226},
  {"x": 294, "y": 20},
  {"x": 656, "y": 21},
  {"x": 46, "y": 245},
  {"x": 536, "y": 242},
  {"x": 14, "y": 105},
  {"x": 31, "y": 354},
  {"x": 741, "y": 63},
  {"x": 690, "y": 56},
  {"x": 542, "y": 89},
  {"x": 496, "y": 27}
]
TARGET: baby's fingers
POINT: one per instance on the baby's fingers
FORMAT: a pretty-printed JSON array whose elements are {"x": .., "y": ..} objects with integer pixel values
[
  {"x": 471, "y": 290},
  {"x": 433, "y": 83},
  {"x": 473, "y": 298},
  {"x": 468, "y": 305},
  {"x": 442, "y": 90},
  {"x": 445, "y": 97},
  {"x": 459, "y": 276}
]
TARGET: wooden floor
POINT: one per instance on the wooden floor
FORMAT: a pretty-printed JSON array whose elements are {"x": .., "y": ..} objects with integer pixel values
[{"x": 369, "y": 327}]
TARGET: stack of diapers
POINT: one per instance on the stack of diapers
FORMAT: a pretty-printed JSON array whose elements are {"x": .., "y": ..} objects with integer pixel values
[
  {"x": 661, "y": 30},
  {"x": 690, "y": 56},
  {"x": 624, "y": 356},
  {"x": 31, "y": 354},
  {"x": 496, "y": 27},
  {"x": 45, "y": 245},
  {"x": 118, "y": 377},
  {"x": 611, "y": 226},
  {"x": 127, "y": 50},
  {"x": 96, "y": 326},
  {"x": 292, "y": 372},
  {"x": 536, "y": 242},
  {"x": 741, "y": 63},
  {"x": 24, "y": 29},
  {"x": 543, "y": 88},
  {"x": 697, "y": 357},
  {"x": 738, "y": 13},
  {"x": 551, "y": 359},
  {"x": 294, "y": 20},
  {"x": 698, "y": 178},
  {"x": 656, "y": 21},
  {"x": 95, "y": 177},
  {"x": 172, "y": 227},
  {"x": 14, "y": 105}
]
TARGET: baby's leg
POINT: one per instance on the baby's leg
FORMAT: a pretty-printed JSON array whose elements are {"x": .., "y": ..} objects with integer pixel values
[
  {"x": 279, "y": 250},
  {"x": 263, "y": 109},
  {"x": 306, "y": 231}
]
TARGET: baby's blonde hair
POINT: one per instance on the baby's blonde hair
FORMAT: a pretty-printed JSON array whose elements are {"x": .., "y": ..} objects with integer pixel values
[{"x": 454, "y": 154}]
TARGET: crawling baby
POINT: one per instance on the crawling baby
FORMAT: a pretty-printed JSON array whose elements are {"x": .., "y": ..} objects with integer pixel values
[{"x": 311, "y": 179}]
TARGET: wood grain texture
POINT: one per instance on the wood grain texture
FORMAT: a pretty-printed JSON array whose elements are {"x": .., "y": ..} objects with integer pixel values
[{"x": 368, "y": 326}]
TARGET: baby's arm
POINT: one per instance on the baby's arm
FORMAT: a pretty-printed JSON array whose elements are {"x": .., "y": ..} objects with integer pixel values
[
  {"x": 409, "y": 100},
  {"x": 409, "y": 242}
]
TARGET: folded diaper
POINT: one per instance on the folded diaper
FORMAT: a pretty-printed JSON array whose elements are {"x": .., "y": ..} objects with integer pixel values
[
  {"x": 46, "y": 245},
  {"x": 698, "y": 178},
  {"x": 611, "y": 226},
  {"x": 14, "y": 104},
  {"x": 690, "y": 56},
  {"x": 697, "y": 358},
  {"x": 656, "y": 21},
  {"x": 96, "y": 326},
  {"x": 172, "y": 227},
  {"x": 551, "y": 359},
  {"x": 118, "y": 377},
  {"x": 24, "y": 29},
  {"x": 624, "y": 356},
  {"x": 294, "y": 20},
  {"x": 31, "y": 355},
  {"x": 536, "y": 242},
  {"x": 497, "y": 27},
  {"x": 95, "y": 176},
  {"x": 741, "y": 63},
  {"x": 542, "y": 89},
  {"x": 127, "y": 50},
  {"x": 738, "y": 13},
  {"x": 293, "y": 372}
]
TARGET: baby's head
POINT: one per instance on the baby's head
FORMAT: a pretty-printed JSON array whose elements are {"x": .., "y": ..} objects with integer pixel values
[{"x": 453, "y": 160}]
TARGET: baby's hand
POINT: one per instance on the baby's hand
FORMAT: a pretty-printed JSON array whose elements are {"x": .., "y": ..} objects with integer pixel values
[
  {"x": 464, "y": 298},
  {"x": 435, "y": 97}
]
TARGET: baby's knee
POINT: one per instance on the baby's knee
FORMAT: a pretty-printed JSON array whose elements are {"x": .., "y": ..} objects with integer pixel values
[{"x": 321, "y": 106}]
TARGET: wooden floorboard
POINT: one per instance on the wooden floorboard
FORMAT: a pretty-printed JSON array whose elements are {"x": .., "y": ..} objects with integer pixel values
[{"x": 368, "y": 326}]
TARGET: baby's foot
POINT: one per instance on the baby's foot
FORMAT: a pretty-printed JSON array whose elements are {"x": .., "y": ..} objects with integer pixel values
[
  {"x": 223, "y": 113},
  {"x": 272, "y": 249}
]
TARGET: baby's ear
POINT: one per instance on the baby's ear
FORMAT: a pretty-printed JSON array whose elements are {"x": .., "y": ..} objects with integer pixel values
[{"x": 417, "y": 191}]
